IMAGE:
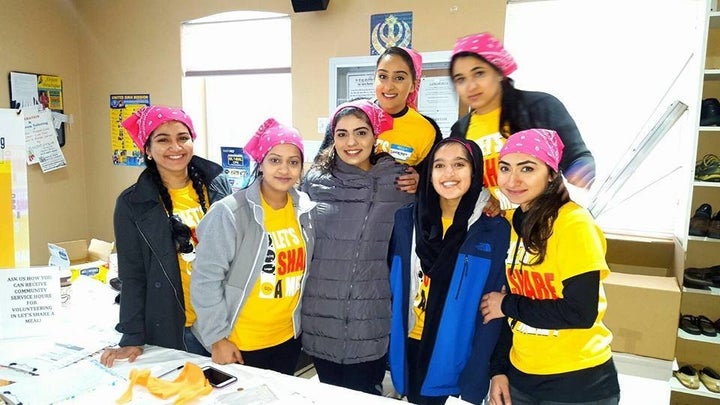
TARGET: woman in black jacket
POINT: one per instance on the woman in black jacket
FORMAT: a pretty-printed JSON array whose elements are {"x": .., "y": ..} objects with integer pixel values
[
  {"x": 479, "y": 68},
  {"x": 155, "y": 221}
]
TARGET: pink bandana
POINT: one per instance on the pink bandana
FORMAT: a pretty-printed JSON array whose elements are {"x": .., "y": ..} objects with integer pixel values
[
  {"x": 543, "y": 144},
  {"x": 417, "y": 64},
  {"x": 269, "y": 134},
  {"x": 379, "y": 119},
  {"x": 487, "y": 46},
  {"x": 141, "y": 124}
]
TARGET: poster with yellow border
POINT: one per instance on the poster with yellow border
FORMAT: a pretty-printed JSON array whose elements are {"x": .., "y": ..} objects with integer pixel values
[
  {"x": 14, "y": 228},
  {"x": 124, "y": 151}
]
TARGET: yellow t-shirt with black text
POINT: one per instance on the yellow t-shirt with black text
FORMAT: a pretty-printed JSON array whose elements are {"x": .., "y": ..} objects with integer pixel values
[
  {"x": 576, "y": 246},
  {"x": 186, "y": 206},
  {"x": 420, "y": 302},
  {"x": 266, "y": 318},
  {"x": 483, "y": 129},
  {"x": 410, "y": 139}
]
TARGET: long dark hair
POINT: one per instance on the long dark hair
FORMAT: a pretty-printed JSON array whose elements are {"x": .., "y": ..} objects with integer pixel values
[
  {"x": 325, "y": 160},
  {"x": 181, "y": 233},
  {"x": 513, "y": 111},
  {"x": 537, "y": 223}
]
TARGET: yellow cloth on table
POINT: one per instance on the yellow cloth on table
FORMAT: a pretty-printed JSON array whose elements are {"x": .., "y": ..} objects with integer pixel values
[{"x": 190, "y": 384}]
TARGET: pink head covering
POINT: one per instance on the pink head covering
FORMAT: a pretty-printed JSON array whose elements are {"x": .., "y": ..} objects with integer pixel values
[
  {"x": 543, "y": 144},
  {"x": 269, "y": 134},
  {"x": 379, "y": 119},
  {"x": 487, "y": 46},
  {"x": 417, "y": 65},
  {"x": 141, "y": 124}
]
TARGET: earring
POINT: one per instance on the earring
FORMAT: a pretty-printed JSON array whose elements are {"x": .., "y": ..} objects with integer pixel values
[{"x": 149, "y": 157}]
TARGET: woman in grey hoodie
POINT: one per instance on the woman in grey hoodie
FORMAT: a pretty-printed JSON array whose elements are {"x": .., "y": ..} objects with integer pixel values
[
  {"x": 346, "y": 302},
  {"x": 255, "y": 246}
]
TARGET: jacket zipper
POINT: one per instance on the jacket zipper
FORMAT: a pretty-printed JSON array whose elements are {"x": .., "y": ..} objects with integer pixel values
[{"x": 462, "y": 277}]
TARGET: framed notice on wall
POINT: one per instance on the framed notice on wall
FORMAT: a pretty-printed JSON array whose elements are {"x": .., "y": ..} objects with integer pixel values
[{"x": 30, "y": 89}]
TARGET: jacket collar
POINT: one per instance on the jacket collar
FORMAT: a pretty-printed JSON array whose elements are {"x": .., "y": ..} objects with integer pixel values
[{"x": 147, "y": 190}]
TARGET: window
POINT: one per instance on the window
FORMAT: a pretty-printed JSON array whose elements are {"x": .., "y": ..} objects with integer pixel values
[
  {"x": 236, "y": 74},
  {"x": 618, "y": 66}
]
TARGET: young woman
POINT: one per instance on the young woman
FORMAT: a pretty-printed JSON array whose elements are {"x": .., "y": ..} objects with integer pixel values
[
  {"x": 155, "y": 223},
  {"x": 559, "y": 349},
  {"x": 255, "y": 247},
  {"x": 445, "y": 254},
  {"x": 479, "y": 68},
  {"x": 346, "y": 303}
]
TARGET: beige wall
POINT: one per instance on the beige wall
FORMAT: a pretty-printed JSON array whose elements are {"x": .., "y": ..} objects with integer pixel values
[
  {"x": 133, "y": 46},
  {"x": 41, "y": 36}
]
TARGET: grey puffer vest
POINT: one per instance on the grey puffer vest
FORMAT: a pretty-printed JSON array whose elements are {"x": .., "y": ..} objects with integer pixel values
[{"x": 346, "y": 302}]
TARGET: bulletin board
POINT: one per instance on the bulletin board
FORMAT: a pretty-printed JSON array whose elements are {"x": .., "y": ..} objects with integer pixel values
[
  {"x": 27, "y": 89},
  {"x": 353, "y": 77}
]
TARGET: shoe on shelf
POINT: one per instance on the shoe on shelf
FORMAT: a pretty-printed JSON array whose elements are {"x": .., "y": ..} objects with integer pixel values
[
  {"x": 710, "y": 378},
  {"x": 714, "y": 227},
  {"x": 700, "y": 221},
  {"x": 710, "y": 112},
  {"x": 708, "y": 169},
  {"x": 689, "y": 324},
  {"x": 688, "y": 376},
  {"x": 707, "y": 327},
  {"x": 695, "y": 278}
]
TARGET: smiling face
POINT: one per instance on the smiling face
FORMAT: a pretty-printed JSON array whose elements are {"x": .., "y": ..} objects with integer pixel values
[
  {"x": 523, "y": 178},
  {"x": 451, "y": 172},
  {"x": 171, "y": 147},
  {"x": 393, "y": 83},
  {"x": 477, "y": 83},
  {"x": 281, "y": 168},
  {"x": 354, "y": 141}
]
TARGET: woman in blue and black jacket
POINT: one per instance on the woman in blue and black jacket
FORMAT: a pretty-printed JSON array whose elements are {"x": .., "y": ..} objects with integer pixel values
[{"x": 444, "y": 255}]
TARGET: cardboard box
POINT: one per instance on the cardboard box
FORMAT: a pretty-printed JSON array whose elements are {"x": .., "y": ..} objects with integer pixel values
[
  {"x": 640, "y": 270},
  {"x": 643, "y": 313},
  {"x": 81, "y": 258}
]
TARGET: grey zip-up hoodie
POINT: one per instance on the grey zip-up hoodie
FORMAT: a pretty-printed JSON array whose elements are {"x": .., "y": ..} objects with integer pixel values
[{"x": 230, "y": 256}]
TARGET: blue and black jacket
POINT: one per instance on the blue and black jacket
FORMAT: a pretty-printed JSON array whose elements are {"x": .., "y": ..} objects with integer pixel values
[{"x": 460, "y": 357}]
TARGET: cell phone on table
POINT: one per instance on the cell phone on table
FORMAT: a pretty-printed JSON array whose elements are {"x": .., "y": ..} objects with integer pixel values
[{"x": 218, "y": 378}]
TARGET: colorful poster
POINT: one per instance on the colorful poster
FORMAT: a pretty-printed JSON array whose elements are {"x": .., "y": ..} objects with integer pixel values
[
  {"x": 14, "y": 228},
  {"x": 30, "y": 89},
  {"x": 390, "y": 29},
  {"x": 237, "y": 166},
  {"x": 124, "y": 151}
]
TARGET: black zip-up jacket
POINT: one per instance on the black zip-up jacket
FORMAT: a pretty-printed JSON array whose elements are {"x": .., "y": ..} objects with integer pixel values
[
  {"x": 152, "y": 307},
  {"x": 542, "y": 110}
]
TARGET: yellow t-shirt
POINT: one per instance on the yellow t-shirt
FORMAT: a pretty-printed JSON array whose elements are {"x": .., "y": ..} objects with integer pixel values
[
  {"x": 483, "y": 129},
  {"x": 420, "y": 302},
  {"x": 576, "y": 246},
  {"x": 266, "y": 318},
  {"x": 186, "y": 206},
  {"x": 410, "y": 139}
]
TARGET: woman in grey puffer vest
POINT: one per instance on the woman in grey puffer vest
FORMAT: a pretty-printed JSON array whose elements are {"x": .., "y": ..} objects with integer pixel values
[{"x": 346, "y": 302}]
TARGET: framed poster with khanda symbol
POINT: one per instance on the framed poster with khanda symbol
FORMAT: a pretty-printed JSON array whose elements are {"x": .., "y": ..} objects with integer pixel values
[{"x": 390, "y": 29}]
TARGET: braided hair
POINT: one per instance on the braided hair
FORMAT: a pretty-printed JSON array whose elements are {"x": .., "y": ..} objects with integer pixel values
[{"x": 181, "y": 233}]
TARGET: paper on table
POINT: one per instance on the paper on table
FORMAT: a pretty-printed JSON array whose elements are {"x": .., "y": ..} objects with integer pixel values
[{"x": 64, "y": 384}]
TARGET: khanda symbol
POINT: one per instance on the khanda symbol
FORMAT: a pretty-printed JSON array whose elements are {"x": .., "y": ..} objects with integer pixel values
[{"x": 391, "y": 32}]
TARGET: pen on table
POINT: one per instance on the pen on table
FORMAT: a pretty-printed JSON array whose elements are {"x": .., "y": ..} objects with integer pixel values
[
  {"x": 170, "y": 371},
  {"x": 14, "y": 366}
]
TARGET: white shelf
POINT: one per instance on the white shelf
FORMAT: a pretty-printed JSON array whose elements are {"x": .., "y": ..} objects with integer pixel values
[
  {"x": 702, "y": 391},
  {"x": 706, "y": 183},
  {"x": 703, "y": 239},
  {"x": 711, "y": 291},
  {"x": 712, "y": 74},
  {"x": 699, "y": 338},
  {"x": 715, "y": 19},
  {"x": 709, "y": 129}
]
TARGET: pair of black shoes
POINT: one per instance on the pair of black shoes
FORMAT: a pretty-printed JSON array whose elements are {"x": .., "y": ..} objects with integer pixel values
[
  {"x": 710, "y": 112},
  {"x": 699, "y": 325},
  {"x": 704, "y": 224},
  {"x": 702, "y": 278}
]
